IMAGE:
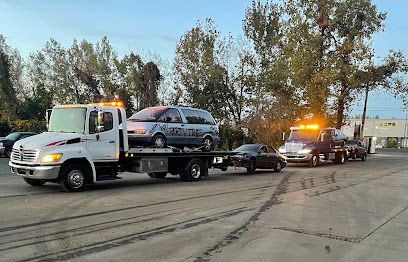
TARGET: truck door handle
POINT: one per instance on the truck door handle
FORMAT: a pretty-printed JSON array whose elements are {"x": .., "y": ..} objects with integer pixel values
[
  {"x": 111, "y": 141},
  {"x": 182, "y": 124}
]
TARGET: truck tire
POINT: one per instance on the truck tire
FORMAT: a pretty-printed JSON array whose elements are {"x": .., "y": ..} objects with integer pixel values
[
  {"x": 34, "y": 182},
  {"x": 339, "y": 158},
  {"x": 158, "y": 174},
  {"x": 73, "y": 178},
  {"x": 314, "y": 161},
  {"x": 193, "y": 171}
]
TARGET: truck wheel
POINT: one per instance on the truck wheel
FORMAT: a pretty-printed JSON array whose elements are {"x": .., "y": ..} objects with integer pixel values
[
  {"x": 251, "y": 166},
  {"x": 34, "y": 182},
  {"x": 278, "y": 166},
  {"x": 207, "y": 144},
  {"x": 158, "y": 174},
  {"x": 193, "y": 170},
  {"x": 72, "y": 178},
  {"x": 159, "y": 141},
  {"x": 224, "y": 169},
  {"x": 314, "y": 161},
  {"x": 339, "y": 158}
]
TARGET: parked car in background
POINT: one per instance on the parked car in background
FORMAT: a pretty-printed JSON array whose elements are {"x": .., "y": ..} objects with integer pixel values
[
  {"x": 7, "y": 143},
  {"x": 253, "y": 156},
  {"x": 173, "y": 125},
  {"x": 356, "y": 149}
]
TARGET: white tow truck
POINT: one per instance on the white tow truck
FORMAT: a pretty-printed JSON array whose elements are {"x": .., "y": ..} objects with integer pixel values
[{"x": 89, "y": 143}]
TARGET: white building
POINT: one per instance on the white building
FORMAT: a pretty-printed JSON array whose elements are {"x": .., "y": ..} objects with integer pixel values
[{"x": 386, "y": 132}]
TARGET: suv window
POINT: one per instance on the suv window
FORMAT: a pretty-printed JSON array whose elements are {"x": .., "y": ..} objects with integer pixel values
[
  {"x": 174, "y": 115},
  {"x": 192, "y": 116},
  {"x": 206, "y": 118},
  {"x": 93, "y": 121},
  {"x": 263, "y": 150}
]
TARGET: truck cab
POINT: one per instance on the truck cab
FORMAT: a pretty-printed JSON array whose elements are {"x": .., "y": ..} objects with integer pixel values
[
  {"x": 83, "y": 140},
  {"x": 310, "y": 144}
]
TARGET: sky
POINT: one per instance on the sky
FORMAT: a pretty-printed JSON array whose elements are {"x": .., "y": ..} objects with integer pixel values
[{"x": 156, "y": 26}]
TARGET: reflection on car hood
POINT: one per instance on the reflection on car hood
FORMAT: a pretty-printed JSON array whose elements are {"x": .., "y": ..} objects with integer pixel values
[{"x": 132, "y": 125}]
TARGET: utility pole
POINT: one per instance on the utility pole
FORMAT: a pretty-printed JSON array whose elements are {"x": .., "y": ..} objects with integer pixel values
[{"x": 364, "y": 113}]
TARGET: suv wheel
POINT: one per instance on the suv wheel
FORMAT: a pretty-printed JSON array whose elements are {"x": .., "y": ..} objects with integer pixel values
[
  {"x": 159, "y": 141},
  {"x": 208, "y": 144}
]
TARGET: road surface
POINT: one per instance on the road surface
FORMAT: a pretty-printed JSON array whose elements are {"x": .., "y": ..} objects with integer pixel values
[{"x": 351, "y": 212}]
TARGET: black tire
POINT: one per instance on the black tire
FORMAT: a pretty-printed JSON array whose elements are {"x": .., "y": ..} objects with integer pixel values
[
  {"x": 208, "y": 144},
  {"x": 158, "y": 174},
  {"x": 7, "y": 152},
  {"x": 224, "y": 169},
  {"x": 193, "y": 171},
  {"x": 73, "y": 178},
  {"x": 159, "y": 141},
  {"x": 314, "y": 161},
  {"x": 364, "y": 157},
  {"x": 278, "y": 166},
  {"x": 339, "y": 158},
  {"x": 34, "y": 182},
  {"x": 251, "y": 167}
]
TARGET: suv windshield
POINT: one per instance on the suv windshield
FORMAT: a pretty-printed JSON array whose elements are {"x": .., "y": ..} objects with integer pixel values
[
  {"x": 148, "y": 114},
  {"x": 304, "y": 134},
  {"x": 68, "y": 120}
]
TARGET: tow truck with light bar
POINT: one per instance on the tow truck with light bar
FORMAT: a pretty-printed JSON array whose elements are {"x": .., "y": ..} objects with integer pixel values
[
  {"x": 87, "y": 143},
  {"x": 312, "y": 144}
]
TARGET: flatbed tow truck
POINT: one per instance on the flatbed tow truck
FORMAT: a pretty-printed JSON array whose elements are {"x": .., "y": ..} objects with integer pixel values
[
  {"x": 312, "y": 144},
  {"x": 88, "y": 143}
]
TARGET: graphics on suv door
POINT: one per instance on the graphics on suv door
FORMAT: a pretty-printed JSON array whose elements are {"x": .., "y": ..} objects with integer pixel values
[
  {"x": 199, "y": 123},
  {"x": 175, "y": 130}
]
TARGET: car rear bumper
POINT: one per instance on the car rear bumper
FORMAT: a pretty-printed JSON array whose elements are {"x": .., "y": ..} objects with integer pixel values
[
  {"x": 298, "y": 158},
  {"x": 141, "y": 140},
  {"x": 35, "y": 172}
]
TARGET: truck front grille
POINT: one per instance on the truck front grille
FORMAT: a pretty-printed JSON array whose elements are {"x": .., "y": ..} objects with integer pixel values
[
  {"x": 26, "y": 155},
  {"x": 293, "y": 147}
]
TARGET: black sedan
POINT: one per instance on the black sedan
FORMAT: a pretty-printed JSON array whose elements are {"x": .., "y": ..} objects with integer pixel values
[
  {"x": 6, "y": 144},
  {"x": 356, "y": 149},
  {"x": 253, "y": 156}
]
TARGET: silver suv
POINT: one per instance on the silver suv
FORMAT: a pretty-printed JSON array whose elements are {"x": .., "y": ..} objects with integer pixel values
[{"x": 173, "y": 125}]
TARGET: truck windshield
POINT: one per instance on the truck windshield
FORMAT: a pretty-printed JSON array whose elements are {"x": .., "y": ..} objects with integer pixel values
[
  {"x": 67, "y": 120},
  {"x": 305, "y": 135},
  {"x": 148, "y": 114}
]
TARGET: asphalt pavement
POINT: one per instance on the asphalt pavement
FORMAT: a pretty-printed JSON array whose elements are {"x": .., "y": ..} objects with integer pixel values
[{"x": 356, "y": 211}]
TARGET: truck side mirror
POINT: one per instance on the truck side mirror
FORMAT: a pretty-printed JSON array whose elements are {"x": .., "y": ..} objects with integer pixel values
[
  {"x": 101, "y": 121},
  {"x": 48, "y": 116}
]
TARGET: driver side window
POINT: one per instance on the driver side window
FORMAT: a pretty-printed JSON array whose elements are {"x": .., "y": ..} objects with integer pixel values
[{"x": 93, "y": 122}]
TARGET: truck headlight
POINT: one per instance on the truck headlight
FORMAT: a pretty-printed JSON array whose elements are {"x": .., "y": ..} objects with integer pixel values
[
  {"x": 282, "y": 150},
  {"x": 51, "y": 158},
  {"x": 305, "y": 151}
]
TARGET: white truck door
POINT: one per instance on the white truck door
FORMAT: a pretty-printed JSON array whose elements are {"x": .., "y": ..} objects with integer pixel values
[{"x": 103, "y": 144}]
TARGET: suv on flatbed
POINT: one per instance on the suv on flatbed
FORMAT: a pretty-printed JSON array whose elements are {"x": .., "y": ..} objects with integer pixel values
[{"x": 173, "y": 125}]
